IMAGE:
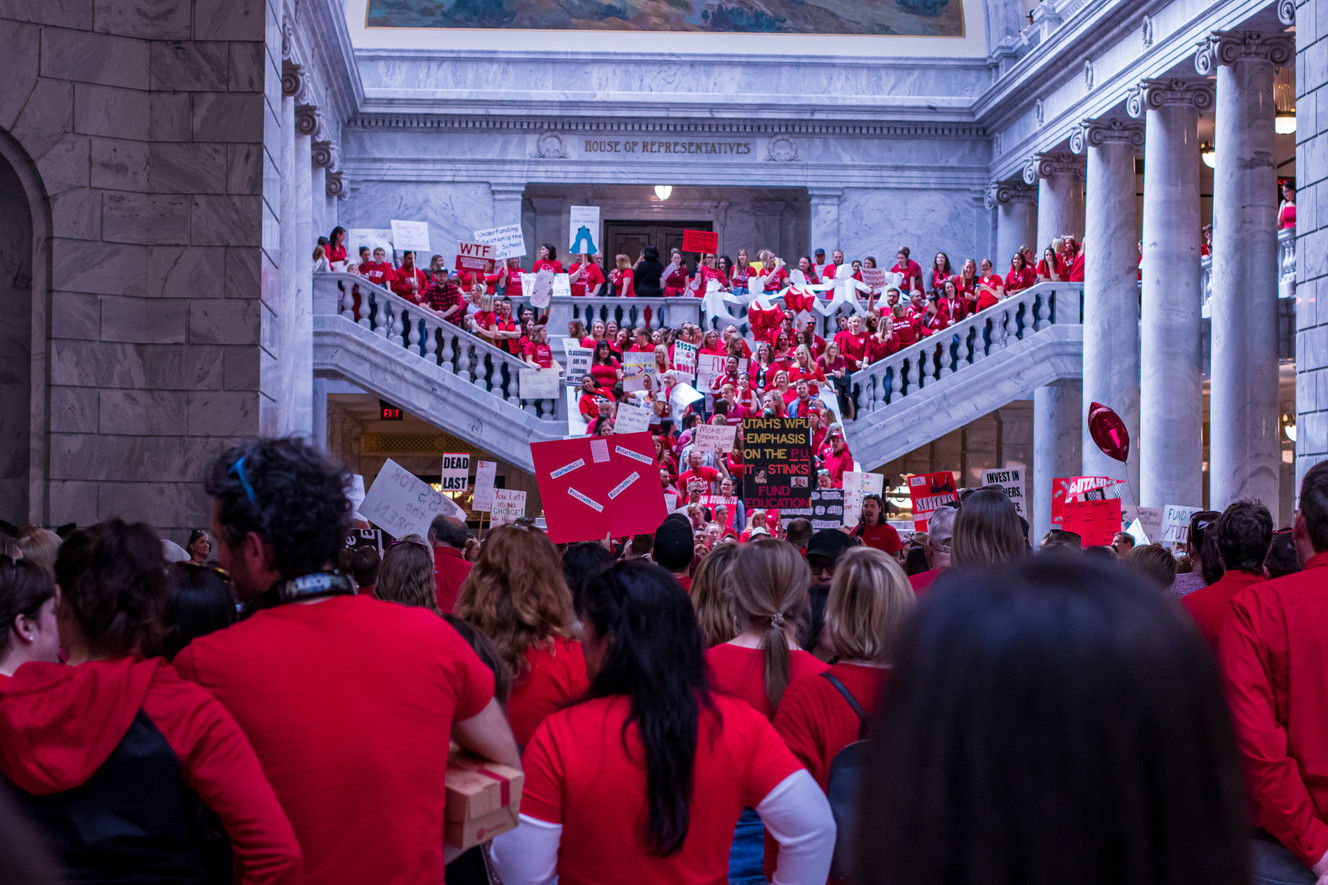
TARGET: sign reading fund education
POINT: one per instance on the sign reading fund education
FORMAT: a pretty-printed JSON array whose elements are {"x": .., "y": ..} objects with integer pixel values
[
  {"x": 778, "y": 456},
  {"x": 690, "y": 148}
]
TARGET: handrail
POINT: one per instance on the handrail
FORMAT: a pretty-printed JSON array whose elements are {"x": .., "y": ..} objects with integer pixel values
[
  {"x": 966, "y": 343},
  {"x": 423, "y": 333}
]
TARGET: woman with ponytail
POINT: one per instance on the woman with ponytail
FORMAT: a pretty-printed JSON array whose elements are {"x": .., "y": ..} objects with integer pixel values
[{"x": 644, "y": 779}]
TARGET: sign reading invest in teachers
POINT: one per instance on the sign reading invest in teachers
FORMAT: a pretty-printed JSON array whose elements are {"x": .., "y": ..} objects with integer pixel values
[{"x": 777, "y": 453}]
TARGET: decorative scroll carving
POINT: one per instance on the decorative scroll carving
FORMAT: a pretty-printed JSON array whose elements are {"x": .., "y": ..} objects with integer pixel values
[
  {"x": 336, "y": 185},
  {"x": 1002, "y": 192},
  {"x": 1047, "y": 165},
  {"x": 308, "y": 119},
  {"x": 1158, "y": 93},
  {"x": 1094, "y": 133},
  {"x": 1228, "y": 47}
]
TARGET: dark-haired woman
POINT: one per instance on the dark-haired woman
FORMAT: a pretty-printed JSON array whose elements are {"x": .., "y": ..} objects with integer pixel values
[
  {"x": 940, "y": 272},
  {"x": 28, "y": 630},
  {"x": 872, "y": 529},
  {"x": 199, "y": 547},
  {"x": 115, "y": 757},
  {"x": 1021, "y": 276},
  {"x": 1053, "y": 721},
  {"x": 643, "y": 781},
  {"x": 336, "y": 245},
  {"x": 606, "y": 370},
  {"x": 201, "y": 601},
  {"x": 548, "y": 258}
]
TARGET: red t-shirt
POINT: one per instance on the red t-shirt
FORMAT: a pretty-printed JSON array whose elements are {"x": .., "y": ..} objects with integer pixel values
[
  {"x": 838, "y": 465},
  {"x": 579, "y": 774},
  {"x": 349, "y": 704},
  {"x": 815, "y": 720},
  {"x": 540, "y": 353},
  {"x": 740, "y": 672},
  {"x": 590, "y": 280},
  {"x": 852, "y": 347},
  {"x": 882, "y": 537},
  {"x": 1210, "y": 605},
  {"x": 605, "y": 374},
  {"x": 555, "y": 266},
  {"x": 556, "y": 678},
  {"x": 380, "y": 273},
  {"x": 450, "y": 570},
  {"x": 705, "y": 475},
  {"x": 922, "y": 581}
]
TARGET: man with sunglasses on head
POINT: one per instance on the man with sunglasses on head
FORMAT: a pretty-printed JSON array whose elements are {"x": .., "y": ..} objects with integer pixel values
[{"x": 348, "y": 701}]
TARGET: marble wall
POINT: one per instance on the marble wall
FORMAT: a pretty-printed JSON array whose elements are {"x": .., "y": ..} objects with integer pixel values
[
  {"x": 144, "y": 125},
  {"x": 1311, "y": 238}
]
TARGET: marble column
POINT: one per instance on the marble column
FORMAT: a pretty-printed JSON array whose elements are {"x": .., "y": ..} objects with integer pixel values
[
  {"x": 824, "y": 232},
  {"x": 1056, "y": 446},
  {"x": 302, "y": 326},
  {"x": 1060, "y": 198},
  {"x": 507, "y": 203},
  {"x": 318, "y": 205},
  {"x": 1111, "y": 288},
  {"x": 282, "y": 342},
  {"x": 1244, "y": 451},
  {"x": 1016, "y": 219},
  {"x": 1170, "y": 441}
]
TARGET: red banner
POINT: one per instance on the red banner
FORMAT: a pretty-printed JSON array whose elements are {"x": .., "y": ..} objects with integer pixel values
[
  {"x": 473, "y": 256},
  {"x": 929, "y": 491},
  {"x": 1095, "y": 522},
  {"x": 703, "y": 241},
  {"x": 592, "y": 486}
]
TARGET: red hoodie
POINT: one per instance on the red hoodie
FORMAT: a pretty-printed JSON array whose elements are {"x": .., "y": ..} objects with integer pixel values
[{"x": 76, "y": 735}]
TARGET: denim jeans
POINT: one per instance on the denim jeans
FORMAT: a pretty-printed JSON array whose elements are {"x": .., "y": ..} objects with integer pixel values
[
  {"x": 1273, "y": 864},
  {"x": 748, "y": 851}
]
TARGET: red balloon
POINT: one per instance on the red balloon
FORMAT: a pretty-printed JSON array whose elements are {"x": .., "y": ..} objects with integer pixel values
[{"x": 1108, "y": 431}]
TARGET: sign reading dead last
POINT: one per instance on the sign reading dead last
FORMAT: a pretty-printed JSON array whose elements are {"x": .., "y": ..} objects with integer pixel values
[{"x": 778, "y": 456}]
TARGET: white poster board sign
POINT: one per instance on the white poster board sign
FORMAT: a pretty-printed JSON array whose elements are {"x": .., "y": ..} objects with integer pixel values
[
  {"x": 507, "y": 241},
  {"x": 710, "y": 366},
  {"x": 485, "y": 472},
  {"x": 856, "y": 487},
  {"x": 539, "y": 286},
  {"x": 1176, "y": 524},
  {"x": 374, "y": 238},
  {"x": 411, "y": 236},
  {"x": 583, "y": 230},
  {"x": 717, "y": 438},
  {"x": 635, "y": 367},
  {"x": 540, "y": 383},
  {"x": 874, "y": 277},
  {"x": 456, "y": 471},
  {"x": 401, "y": 503},
  {"x": 577, "y": 425},
  {"x": 355, "y": 494},
  {"x": 632, "y": 419},
  {"x": 509, "y": 505},
  {"x": 682, "y": 396},
  {"x": 1011, "y": 479},
  {"x": 562, "y": 285},
  {"x": 578, "y": 361},
  {"x": 683, "y": 364}
]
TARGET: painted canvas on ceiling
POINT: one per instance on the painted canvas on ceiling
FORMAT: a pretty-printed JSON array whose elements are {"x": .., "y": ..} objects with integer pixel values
[{"x": 908, "y": 18}]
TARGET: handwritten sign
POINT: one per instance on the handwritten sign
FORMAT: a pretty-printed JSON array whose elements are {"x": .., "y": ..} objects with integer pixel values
[
  {"x": 703, "y": 241},
  {"x": 1011, "y": 481},
  {"x": 562, "y": 286},
  {"x": 410, "y": 236},
  {"x": 373, "y": 238},
  {"x": 455, "y": 475},
  {"x": 578, "y": 361},
  {"x": 401, "y": 503},
  {"x": 857, "y": 486},
  {"x": 929, "y": 491},
  {"x": 632, "y": 419},
  {"x": 635, "y": 367},
  {"x": 583, "y": 230},
  {"x": 540, "y": 383},
  {"x": 1176, "y": 524},
  {"x": 485, "y": 473},
  {"x": 714, "y": 437},
  {"x": 778, "y": 457},
  {"x": 874, "y": 277},
  {"x": 577, "y": 425},
  {"x": 509, "y": 505},
  {"x": 682, "y": 396},
  {"x": 683, "y": 363},
  {"x": 507, "y": 241},
  {"x": 473, "y": 256},
  {"x": 619, "y": 494},
  {"x": 1095, "y": 522}
]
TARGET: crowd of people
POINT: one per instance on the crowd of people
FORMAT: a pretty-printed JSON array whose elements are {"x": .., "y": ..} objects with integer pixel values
[{"x": 798, "y": 708}]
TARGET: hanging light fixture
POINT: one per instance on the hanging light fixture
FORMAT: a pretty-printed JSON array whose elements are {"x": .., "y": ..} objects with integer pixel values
[
  {"x": 663, "y": 191},
  {"x": 1208, "y": 154},
  {"x": 1284, "y": 100},
  {"x": 1284, "y": 123}
]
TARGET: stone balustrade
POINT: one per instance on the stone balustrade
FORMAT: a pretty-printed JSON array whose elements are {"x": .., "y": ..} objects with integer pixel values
[{"x": 1286, "y": 278}]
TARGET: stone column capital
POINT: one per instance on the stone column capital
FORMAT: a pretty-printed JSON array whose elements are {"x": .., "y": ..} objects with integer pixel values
[
  {"x": 1095, "y": 133},
  {"x": 1155, "y": 94},
  {"x": 337, "y": 186},
  {"x": 1003, "y": 192},
  {"x": 327, "y": 155},
  {"x": 1286, "y": 12},
  {"x": 1047, "y": 165},
  {"x": 508, "y": 190},
  {"x": 308, "y": 119},
  {"x": 824, "y": 194},
  {"x": 294, "y": 79},
  {"x": 1228, "y": 47}
]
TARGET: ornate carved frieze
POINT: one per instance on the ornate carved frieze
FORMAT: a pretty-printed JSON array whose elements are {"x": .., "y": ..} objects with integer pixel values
[
  {"x": 1094, "y": 133},
  {"x": 1175, "y": 91},
  {"x": 1228, "y": 47},
  {"x": 1048, "y": 165},
  {"x": 1002, "y": 192}
]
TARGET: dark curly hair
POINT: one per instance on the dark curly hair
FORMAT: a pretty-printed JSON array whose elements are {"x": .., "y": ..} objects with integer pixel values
[
  {"x": 1244, "y": 531},
  {"x": 112, "y": 579},
  {"x": 286, "y": 492}
]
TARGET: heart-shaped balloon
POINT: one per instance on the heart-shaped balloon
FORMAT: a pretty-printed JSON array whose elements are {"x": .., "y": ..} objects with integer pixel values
[{"x": 1108, "y": 431}]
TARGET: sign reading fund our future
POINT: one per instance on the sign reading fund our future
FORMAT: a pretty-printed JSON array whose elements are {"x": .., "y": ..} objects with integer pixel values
[{"x": 778, "y": 456}]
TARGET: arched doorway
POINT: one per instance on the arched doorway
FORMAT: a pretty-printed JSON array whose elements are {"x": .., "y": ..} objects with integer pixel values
[{"x": 15, "y": 346}]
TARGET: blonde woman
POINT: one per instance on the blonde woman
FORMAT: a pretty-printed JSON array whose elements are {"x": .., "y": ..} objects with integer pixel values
[
  {"x": 987, "y": 531},
  {"x": 517, "y": 596},
  {"x": 712, "y": 595},
  {"x": 869, "y": 598}
]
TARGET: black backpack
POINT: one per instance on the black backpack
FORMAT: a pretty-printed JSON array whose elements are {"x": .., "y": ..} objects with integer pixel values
[{"x": 846, "y": 773}]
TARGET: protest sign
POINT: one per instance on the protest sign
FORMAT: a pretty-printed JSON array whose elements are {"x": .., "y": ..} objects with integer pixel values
[
  {"x": 858, "y": 485},
  {"x": 595, "y": 486},
  {"x": 728, "y": 502},
  {"x": 507, "y": 241},
  {"x": 539, "y": 286},
  {"x": 374, "y": 238},
  {"x": 1011, "y": 480},
  {"x": 632, "y": 419},
  {"x": 540, "y": 383},
  {"x": 583, "y": 230},
  {"x": 824, "y": 510},
  {"x": 830, "y": 397},
  {"x": 403, "y": 504},
  {"x": 778, "y": 457},
  {"x": 683, "y": 364},
  {"x": 365, "y": 538},
  {"x": 714, "y": 437},
  {"x": 578, "y": 361},
  {"x": 702, "y": 241},
  {"x": 509, "y": 505},
  {"x": 929, "y": 491},
  {"x": 1176, "y": 525},
  {"x": 562, "y": 285},
  {"x": 411, "y": 236},
  {"x": 473, "y": 256},
  {"x": 709, "y": 366},
  {"x": 1136, "y": 531},
  {"x": 1081, "y": 485},
  {"x": 577, "y": 425},
  {"x": 456, "y": 472},
  {"x": 1150, "y": 521},
  {"x": 635, "y": 367},
  {"x": 682, "y": 396},
  {"x": 355, "y": 493},
  {"x": 485, "y": 473},
  {"x": 874, "y": 277},
  {"x": 1095, "y": 522}
]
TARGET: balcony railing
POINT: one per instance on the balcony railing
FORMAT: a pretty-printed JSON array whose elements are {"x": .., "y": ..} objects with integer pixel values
[{"x": 1286, "y": 270}]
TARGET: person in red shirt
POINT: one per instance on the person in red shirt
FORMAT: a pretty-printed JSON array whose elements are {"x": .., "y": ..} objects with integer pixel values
[
  {"x": 940, "y": 272},
  {"x": 852, "y": 343},
  {"x": 517, "y": 596},
  {"x": 117, "y": 744},
  {"x": 510, "y": 278},
  {"x": 644, "y": 779},
  {"x": 839, "y": 461},
  {"x": 595, "y": 401},
  {"x": 585, "y": 277},
  {"x": 447, "y": 537},
  {"x": 772, "y": 271},
  {"x": 882, "y": 343},
  {"x": 1072, "y": 259},
  {"x": 911, "y": 270},
  {"x": 1049, "y": 268},
  {"x": 1274, "y": 663},
  {"x": 622, "y": 280},
  {"x": 537, "y": 351},
  {"x": 809, "y": 270},
  {"x": 990, "y": 287},
  {"x": 940, "y": 534},
  {"x": 675, "y": 277},
  {"x": 379, "y": 271},
  {"x": 548, "y": 258},
  {"x": 700, "y": 473},
  {"x": 336, "y": 245},
  {"x": 1021, "y": 276},
  {"x": 951, "y": 302},
  {"x": 904, "y": 323},
  {"x": 872, "y": 529},
  {"x": 1244, "y": 531},
  {"x": 934, "y": 319},
  {"x": 409, "y": 281},
  {"x": 504, "y": 329},
  {"x": 348, "y": 702}
]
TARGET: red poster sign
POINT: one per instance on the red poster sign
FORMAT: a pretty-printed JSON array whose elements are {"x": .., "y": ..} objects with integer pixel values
[
  {"x": 929, "y": 491},
  {"x": 592, "y": 486},
  {"x": 702, "y": 241},
  {"x": 1096, "y": 522},
  {"x": 473, "y": 256}
]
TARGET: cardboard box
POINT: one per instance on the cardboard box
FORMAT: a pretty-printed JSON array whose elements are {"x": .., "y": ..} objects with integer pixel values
[{"x": 483, "y": 799}]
